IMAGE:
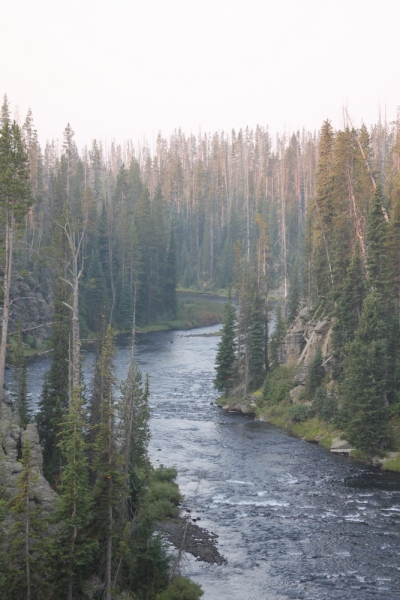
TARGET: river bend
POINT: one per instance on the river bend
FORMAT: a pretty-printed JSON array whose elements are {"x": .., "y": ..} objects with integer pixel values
[{"x": 294, "y": 521}]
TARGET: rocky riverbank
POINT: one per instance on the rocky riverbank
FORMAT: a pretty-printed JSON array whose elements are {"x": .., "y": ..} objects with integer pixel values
[
  {"x": 290, "y": 408},
  {"x": 188, "y": 536}
]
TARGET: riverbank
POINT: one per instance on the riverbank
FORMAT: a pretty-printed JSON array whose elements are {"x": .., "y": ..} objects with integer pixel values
[
  {"x": 291, "y": 418},
  {"x": 195, "y": 310}
]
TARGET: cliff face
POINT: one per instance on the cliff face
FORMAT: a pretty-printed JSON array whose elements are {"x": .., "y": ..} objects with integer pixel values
[
  {"x": 12, "y": 438},
  {"x": 31, "y": 306},
  {"x": 301, "y": 343}
]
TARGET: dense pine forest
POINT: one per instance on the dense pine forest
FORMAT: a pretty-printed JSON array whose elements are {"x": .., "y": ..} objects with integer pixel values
[{"x": 309, "y": 221}]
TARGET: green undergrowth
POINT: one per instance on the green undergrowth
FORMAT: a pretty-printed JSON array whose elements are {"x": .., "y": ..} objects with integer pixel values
[
  {"x": 163, "y": 495},
  {"x": 274, "y": 406},
  {"x": 192, "y": 312},
  {"x": 392, "y": 465}
]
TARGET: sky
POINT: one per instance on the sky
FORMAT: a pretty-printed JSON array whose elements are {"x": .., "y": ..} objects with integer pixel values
[{"x": 128, "y": 69}]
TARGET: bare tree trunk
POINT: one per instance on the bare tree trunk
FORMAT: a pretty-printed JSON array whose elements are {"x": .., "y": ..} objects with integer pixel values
[
  {"x": 6, "y": 304},
  {"x": 27, "y": 553}
]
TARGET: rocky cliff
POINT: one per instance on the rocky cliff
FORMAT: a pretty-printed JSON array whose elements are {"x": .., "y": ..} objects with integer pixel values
[
  {"x": 12, "y": 438},
  {"x": 31, "y": 305},
  {"x": 300, "y": 345}
]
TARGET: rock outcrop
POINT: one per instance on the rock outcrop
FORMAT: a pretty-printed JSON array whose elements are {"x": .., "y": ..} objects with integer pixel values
[
  {"x": 301, "y": 343},
  {"x": 12, "y": 439},
  {"x": 30, "y": 306}
]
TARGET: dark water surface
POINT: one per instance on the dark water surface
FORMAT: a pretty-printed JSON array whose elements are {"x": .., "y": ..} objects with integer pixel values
[{"x": 293, "y": 520}]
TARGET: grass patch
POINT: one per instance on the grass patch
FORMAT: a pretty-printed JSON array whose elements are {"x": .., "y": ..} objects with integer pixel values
[
  {"x": 193, "y": 311},
  {"x": 392, "y": 465}
]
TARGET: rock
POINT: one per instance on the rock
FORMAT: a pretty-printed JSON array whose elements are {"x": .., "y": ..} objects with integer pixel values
[
  {"x": 304, "y": 312},
  {"x": 13, "y": 438},
  {"x": 301, "y": 375},
  {"x": 340, "y": 446},
  {"x": 32, "y": 309},
  {"x": 296, "y": 393},
  {"x": 322, "y": 326},
  {"x": 378, "y": 461}
]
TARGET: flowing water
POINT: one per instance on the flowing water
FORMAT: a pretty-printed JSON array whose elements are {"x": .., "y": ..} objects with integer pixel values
[{"x": 293, "y": 520}]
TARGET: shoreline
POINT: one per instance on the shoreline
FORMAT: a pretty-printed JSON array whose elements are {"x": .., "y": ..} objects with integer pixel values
[{"x": 312, "y": 431}]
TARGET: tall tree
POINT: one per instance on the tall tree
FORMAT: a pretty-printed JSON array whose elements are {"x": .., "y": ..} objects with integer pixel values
[
  {"x": 15, "y": 201},
  {"x": 226, "y": 353},
  {"x": 19, "y": 388}
]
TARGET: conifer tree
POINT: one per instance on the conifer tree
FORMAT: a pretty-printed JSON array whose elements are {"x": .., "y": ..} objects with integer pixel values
[
  {"x": 73, "y": 546},
  {"x": 377, "y": 238},
  {"x": 349, "y": 306},
  {"x": 294, "y": 295},
  {"x": 26, "y": 554},
  {"x": 278, "y": 335},
  {"x": 226, "y": 354},
  {"x": 56, "y": 386},
  {"x": 364, "y": 388},
  {"x": 315, "y": 375},
  {"x": 256, "y": 345},
  {"x": 19, "y": 387},
  {"x": 15, "y": 201},
  {"x": 110, "y": 484},
  {"x": 171, "y": 302}
]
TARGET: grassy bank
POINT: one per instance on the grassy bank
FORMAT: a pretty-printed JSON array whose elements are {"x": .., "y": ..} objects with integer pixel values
[
  {"x": 193, "y": 311},
  {"x": 272, "y": 404}
]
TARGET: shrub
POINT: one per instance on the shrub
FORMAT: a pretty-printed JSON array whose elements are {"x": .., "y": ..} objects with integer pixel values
[
  {"x": 164, "y": 474},
  {"x": 162, "y": 509},
  {"x": 181, "y": 588},
  {"x": 324, "y": 405},
  {"x": 299, "y": 413},
  {"x": 164, "y": 490},
  {"x": 277, "y": 385}
]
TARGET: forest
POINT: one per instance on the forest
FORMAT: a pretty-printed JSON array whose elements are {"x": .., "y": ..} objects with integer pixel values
[{"x": 280, "y": 224}]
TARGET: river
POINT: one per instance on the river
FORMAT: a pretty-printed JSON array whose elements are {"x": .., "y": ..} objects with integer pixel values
[{"x": 294, "y": 521}]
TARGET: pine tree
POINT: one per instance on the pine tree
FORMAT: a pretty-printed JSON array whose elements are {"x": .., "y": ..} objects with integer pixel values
[
  {"x": 315, "y": 375},
  {"x": 55, "y": 394},
  {"x": 73, "y": 546},
  {"x": 256, "y": 345},
  {"x": 110, "y": 486},
  {"x": 377, "y": 238},
  {"x": 364, "y": 387},
  {"x": 15, "y": 201},
  {"x": 278, "y": 335},
  {"x": 294, "y": 295},
  {"x": 19, "y": 387},
  {"x": 349, "y": 306},
  {"x": 226, "y": 355},
  {"x": 26, "y": 558},
  {"x": 171, "y": 302}
]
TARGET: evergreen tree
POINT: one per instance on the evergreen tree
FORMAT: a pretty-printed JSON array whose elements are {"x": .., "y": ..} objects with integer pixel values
[
  {"x": 171, "y": 302},
  {"x": 95, "y": 291},
  {"x": 73, "y": 546},
  {"x": 15, "y": 201},
  {"x": 256, "y": 345},
  {"x": 110, "y": 486},
  {"x": 226, "y": 355},
  {"x": 278, "y": 335},
  {"x": 349, "y": 306},
  {"x": 377, "y": 238},
  {"x": 55, "y": 394},
  {"x": 294, "y": 295},
  {"x": 26, "y": 557},
  {"x": 315, "y": 375},
  {"x": 19, "y": 387},
  {"x": 365, "y": 411}
]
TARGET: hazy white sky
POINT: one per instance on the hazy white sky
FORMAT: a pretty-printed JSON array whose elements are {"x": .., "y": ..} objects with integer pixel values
[{"x": 129, "y": 68}]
